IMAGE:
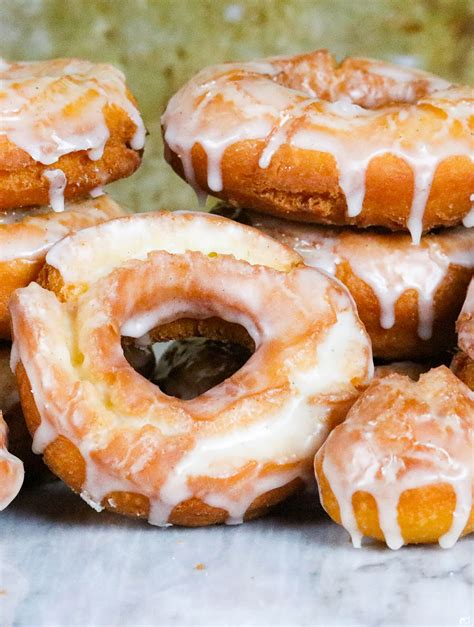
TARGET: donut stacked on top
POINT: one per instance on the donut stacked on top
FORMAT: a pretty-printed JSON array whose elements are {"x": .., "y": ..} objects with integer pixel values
[
  {"x": 67, "y": 128},
  {"x": 365, "y": 168}
]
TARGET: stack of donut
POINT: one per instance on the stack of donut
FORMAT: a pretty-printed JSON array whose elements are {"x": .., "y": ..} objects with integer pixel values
[
  {"x": 366, "y": 170},
  {"x": 67, "y": 128},
  {"x": 351, "y": 187}
]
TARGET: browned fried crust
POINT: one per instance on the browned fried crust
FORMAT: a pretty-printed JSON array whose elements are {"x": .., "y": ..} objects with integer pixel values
[
  {"x": 416, "y": 526},
  {"x": 303, "y": 185},
  {"x": 66, "y": 462}
]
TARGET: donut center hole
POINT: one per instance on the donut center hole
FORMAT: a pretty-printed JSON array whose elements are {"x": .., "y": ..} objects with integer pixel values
[{"x": 193, "y": 363}]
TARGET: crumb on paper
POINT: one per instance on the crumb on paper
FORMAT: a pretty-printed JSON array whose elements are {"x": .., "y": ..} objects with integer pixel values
[{"x": 200, "y": 566}]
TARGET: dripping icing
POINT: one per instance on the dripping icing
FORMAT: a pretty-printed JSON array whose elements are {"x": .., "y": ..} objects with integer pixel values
[
  {"x": 354, "y": 135},
  {"x": 217, "y": 454},
  {"x": 389, "y": 269},
  {"x": 57, "y": 185},
  {"x": 27, "y": 121},
  {"x": 439, "y": 450}
]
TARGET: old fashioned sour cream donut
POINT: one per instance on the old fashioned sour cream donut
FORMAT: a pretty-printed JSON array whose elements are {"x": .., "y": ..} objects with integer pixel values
[
  {"x": 11, "y": 469},
  {"x": 66, "y": 127},
  {"x": 231, "y": 452},
  {"x": 364, "y": 142},
  {"x": 407, "y": 296},
  {"x": 400, "y": 467},
  {"x": 27, "y": 235}
]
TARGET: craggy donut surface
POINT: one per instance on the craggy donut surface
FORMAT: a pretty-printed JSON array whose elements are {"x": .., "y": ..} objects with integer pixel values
[
  {"x": 11, "y": 469},
  {"x": 407, "y": 296},
  {"x": 400, "y": 467},
  {"x": 228, "y": 454},
  {"x": 365, "y": 143},
  {"x": 27, "y": 235},
  {"x": 67, "y": 126}
]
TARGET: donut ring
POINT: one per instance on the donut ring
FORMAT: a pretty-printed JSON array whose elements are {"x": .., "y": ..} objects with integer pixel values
[
  {"x": 27, "y": 235},
  {"x": 365, "y": 143},
  {"x": 463, "y": 362},
  {"x": 400, "y": 467},
  {"x": 67, "y": 126},
  {"x": 11, "y": 469},
  {"x": 408, "y": 297},
  {"x": 120, "y": 442}
]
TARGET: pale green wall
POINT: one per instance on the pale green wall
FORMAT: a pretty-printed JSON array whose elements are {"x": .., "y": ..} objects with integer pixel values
[{"x": 161, "y": 43}]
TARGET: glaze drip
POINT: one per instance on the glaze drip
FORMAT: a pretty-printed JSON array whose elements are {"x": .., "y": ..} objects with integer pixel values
[
  {"x": 57, "y": 185},
  {"x": 306, "y": 103},
  {"x": 256, "y": 431},
  {"x": 419, "y": 434},
  {"x": 388, "y": 264},
  {"x": 53, "y": 108}
]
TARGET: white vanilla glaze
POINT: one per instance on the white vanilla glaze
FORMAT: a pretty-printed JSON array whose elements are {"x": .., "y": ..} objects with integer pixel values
[
  {"x": 11, "y": 470},
  {"x": 307, "y": 103},
  {"x": 29, "y": 233},
  {"x": 388, "y": 263},
  {"x": 34, "y": 101},
  {"x": 57, "y": 185},
  {"x": 53, "y": 108},
  {"x": 263, "y": 414},
  {"x": 387, "y": 446},
  {"x": 173, "y": 232}
]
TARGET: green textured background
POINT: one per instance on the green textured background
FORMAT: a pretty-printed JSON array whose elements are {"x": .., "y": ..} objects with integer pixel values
[{"x": 161, "y": 43}]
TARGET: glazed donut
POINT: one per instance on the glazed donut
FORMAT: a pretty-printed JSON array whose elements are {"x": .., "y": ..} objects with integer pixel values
[
  {"x": 365, "y": 143},
  {"x": 11, "y": 469},
  {"x": 228, "y": 454},
  {"x": 400, "y": 467},
  {"x": 463, "y": 362},
  {"x": 26, "y": 236},
  {"x": 67, "y": 126},
  {"x": 408, "y": 297}
]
